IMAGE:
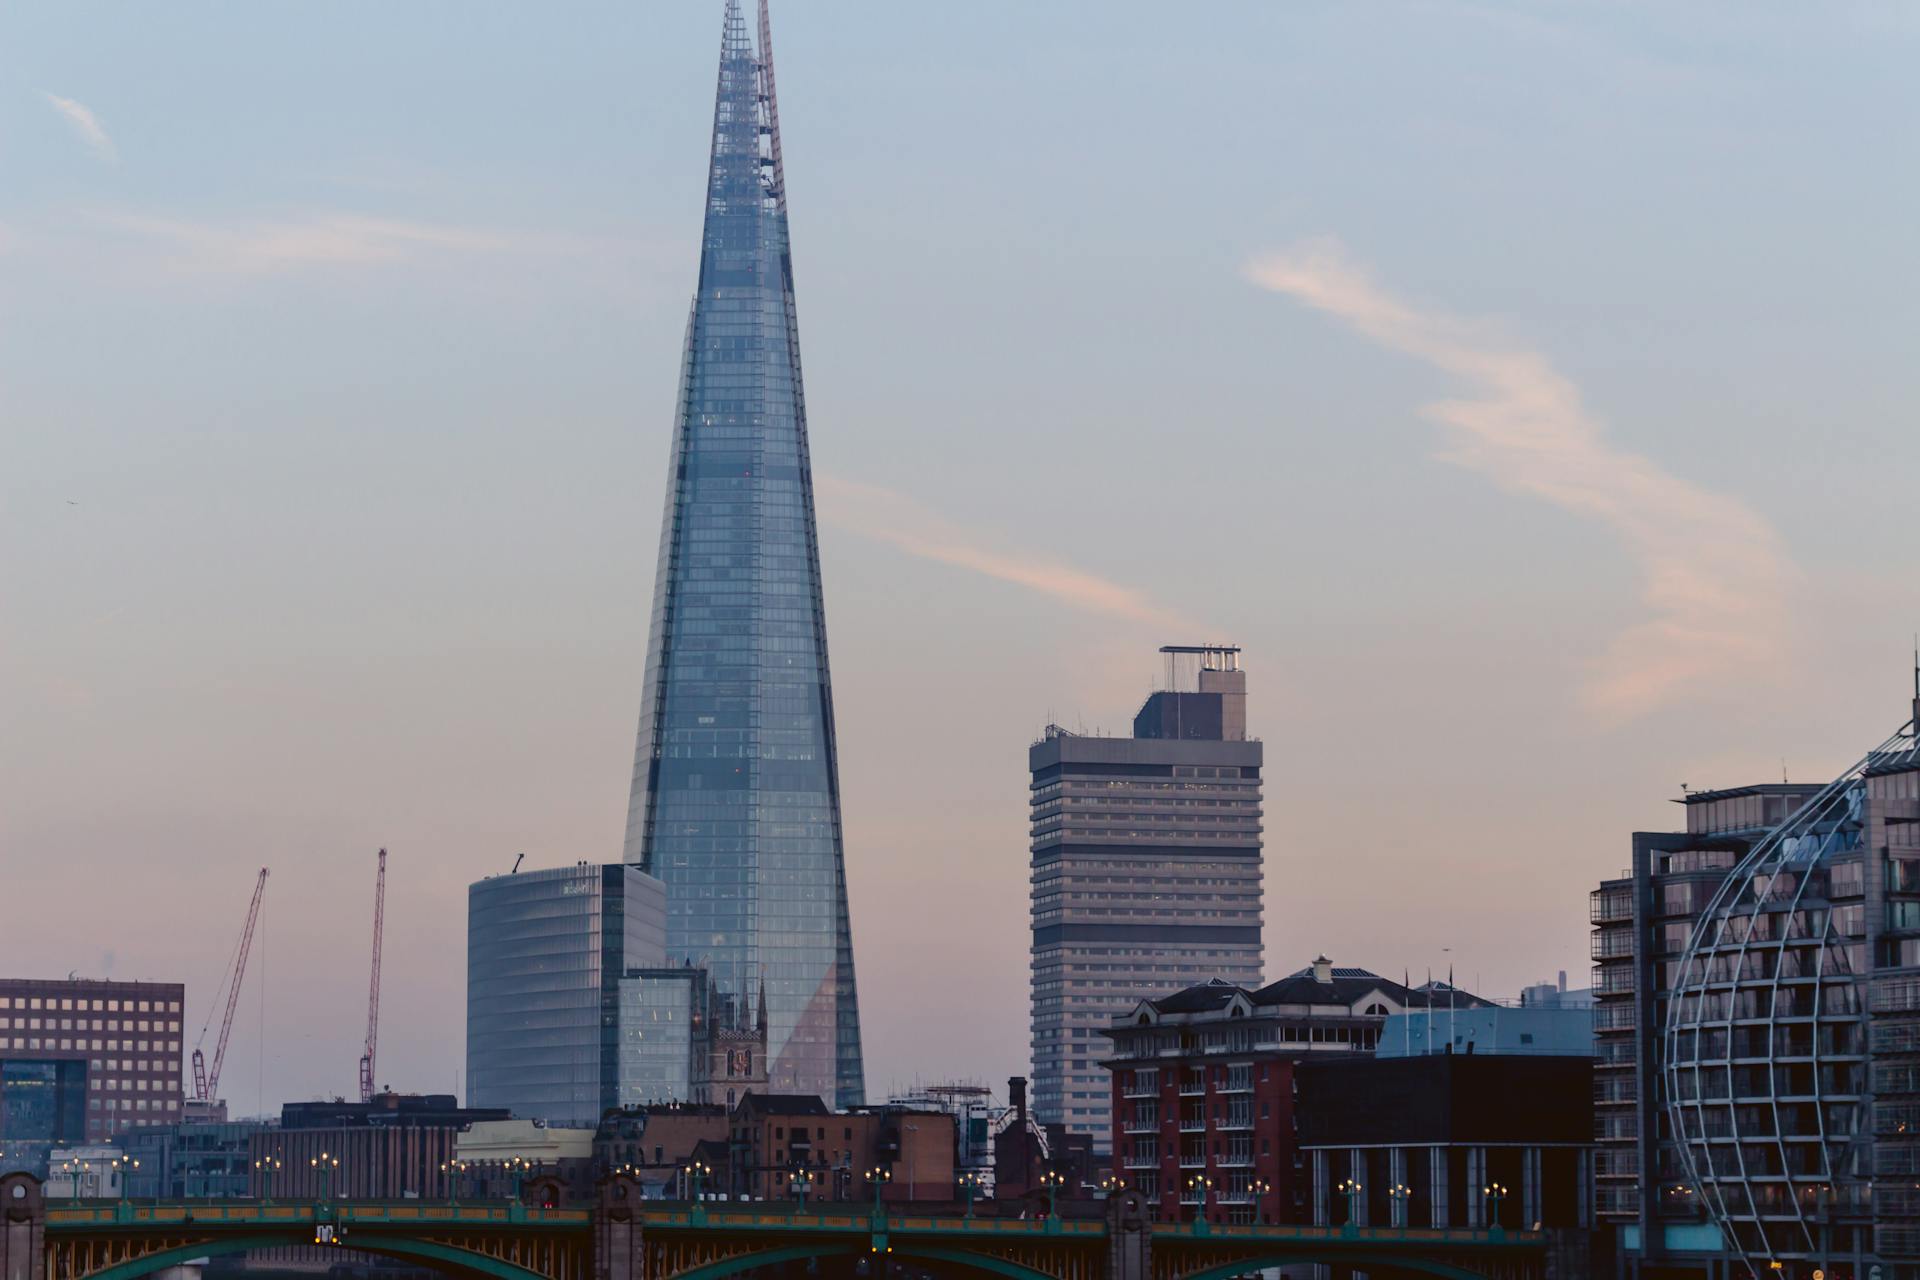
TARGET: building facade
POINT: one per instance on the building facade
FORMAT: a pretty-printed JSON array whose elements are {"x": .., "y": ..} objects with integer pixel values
[
  {"x": 735, "y": 802},
  {"x": 1447, "y": 1140},
  {"x": 681, "y": 1040},
  {"x": 546, "y": 952},
  {"x": 84, "y": 1061},
  {"x": 1203, "y": 1085},
  {"x": 775, "y": 1139},
  {"x": 1642, "y": 921},
  {"x": 1792, "y": 1041},
  {"x": 193, "y": 1160},
  {"x": 396, "y": 1147},
  {"x": 1146, "y": 872}
]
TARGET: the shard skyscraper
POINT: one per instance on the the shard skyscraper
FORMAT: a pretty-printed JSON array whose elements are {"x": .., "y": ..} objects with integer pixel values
[{"x": 736, "y": 786}]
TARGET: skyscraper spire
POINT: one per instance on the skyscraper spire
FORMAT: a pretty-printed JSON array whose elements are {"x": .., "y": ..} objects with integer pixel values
[{"x": 735, "y": 802}]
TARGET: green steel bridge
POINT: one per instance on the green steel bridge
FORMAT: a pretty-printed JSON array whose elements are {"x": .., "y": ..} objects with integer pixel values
[{"x": 624, "y": 1237}]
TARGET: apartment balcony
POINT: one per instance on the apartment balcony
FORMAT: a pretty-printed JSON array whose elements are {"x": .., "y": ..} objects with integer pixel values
[
  {"x": 1612, "y": 943},
  {"x": 1608, "y": 905},
  {"x": 1193, "y": 1126},
  {"x": 1242, "y": 1160},
  {"x": 1193, "y": 1088},
  {"x": 1140, "y": 1126},
  {"x": 1237, "y": 1122},
  {"x": 1140, "y": 1162},
  {"x": 1142, "y": 1092},
  {"x": 1237, "y": 1086},
  {"x": 1189, "y": 1160}
]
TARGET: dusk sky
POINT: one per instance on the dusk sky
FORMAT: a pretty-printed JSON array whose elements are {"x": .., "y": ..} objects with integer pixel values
[{"x": 1529, "y": 390}]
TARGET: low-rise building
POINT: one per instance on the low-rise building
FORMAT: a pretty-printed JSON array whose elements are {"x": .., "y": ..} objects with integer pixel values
[
  {"x": 1203, "y": 1084},
  {"x": 194, "y": 1161},
  {"x": 1447, "y": 1140},
  {"x": 394, "y": 1147},
  {"x": 93, "y": 1172},
  {"x": 775, "y": 1138}
]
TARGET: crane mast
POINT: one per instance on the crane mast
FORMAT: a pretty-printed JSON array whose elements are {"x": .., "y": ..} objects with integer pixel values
[
  {"x": 373, "y": 985},
  {"x": 206, "y": 1083}
]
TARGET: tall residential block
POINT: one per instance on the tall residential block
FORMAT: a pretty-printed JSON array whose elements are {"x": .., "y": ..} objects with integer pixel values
[
  {"x": 1642, "y": 920},
  {"x": 1146, "y": 872},
  {"x": 735, "y": 801}
]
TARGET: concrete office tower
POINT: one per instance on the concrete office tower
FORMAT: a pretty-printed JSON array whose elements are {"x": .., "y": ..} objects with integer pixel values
[
  {"x": 546, "y": 952},
  {"x": 1146, "y": 872},
  {"x": 735, "y": 803}
]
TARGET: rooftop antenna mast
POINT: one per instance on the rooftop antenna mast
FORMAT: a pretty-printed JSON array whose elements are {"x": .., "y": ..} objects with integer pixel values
[{"x": 373, "y": 985}]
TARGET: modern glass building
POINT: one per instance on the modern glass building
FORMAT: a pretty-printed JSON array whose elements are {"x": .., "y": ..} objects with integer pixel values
[
  {"x": 736, "y": 798},
  {"x": 1146, "y": 873},
  {"x": 545, "y": 954},
  {"x": 663, "y": 1024},
  {"x": 1791, "y": 1046}
]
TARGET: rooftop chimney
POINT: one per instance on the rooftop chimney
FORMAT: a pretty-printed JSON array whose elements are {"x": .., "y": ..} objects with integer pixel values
[{"x": 1323, "y": 970}]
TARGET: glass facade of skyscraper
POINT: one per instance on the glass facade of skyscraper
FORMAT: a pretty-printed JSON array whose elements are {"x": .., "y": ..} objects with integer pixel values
[
  {"x": 735, "y": 799},
  {"x": 545, "y": 954}
]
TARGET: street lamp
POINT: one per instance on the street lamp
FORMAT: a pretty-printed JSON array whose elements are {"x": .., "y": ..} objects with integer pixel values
[
  {"x": 1112, "y": 1183},
  {"x": 1352, "y": 1190},
  {"x": 1260, "y": 1189},
  {"x": 326, "y": 1164},
  {"x": 1053, "y": 1180},
  {"x": 517, "y": 1168},
  {"x": 1200, "y": 1184},
  {"x": 1400, "y": 1193},
  {"x": 800, "y": 1182},
  {"x": 1495, "y": 1192},
  {"x": 124, "y": 1167},
  {"x": 971, "y": 1185},
  {"x": 76, "y": 1171},
  {"x": 266, "y": 1167},
  {"x": 696, "y": 1172},
  {"x": 879, "y": 1176},
  {"x": 451, "y": 1170}
]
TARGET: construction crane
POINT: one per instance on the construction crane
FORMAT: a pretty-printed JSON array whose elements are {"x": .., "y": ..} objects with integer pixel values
[
  {"x": 206, "y": 1084},
  {"x": 373, "y": 986}
]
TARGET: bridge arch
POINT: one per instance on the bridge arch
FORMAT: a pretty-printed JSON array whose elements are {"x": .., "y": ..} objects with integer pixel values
[
  {"x": 1337, "y": 1258},
  {"x": 771, "y": 1257},
  {"x": 475, "y": 1264}
]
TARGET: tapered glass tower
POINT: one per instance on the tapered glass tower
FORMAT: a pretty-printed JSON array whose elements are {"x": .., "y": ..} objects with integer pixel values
[{"x": 736, "y": 788}]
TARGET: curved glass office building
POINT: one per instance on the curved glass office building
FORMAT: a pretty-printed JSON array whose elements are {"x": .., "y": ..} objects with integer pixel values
[
  {"x": 736, "y": 799},
  {"x": 1792, "y": 1040}
]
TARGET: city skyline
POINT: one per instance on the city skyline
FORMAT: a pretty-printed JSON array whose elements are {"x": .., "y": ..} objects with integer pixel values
[{"x": 325, "y": 414}]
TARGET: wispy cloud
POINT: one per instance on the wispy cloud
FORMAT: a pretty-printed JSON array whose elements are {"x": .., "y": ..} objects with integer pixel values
[
  {"x": 84, "y": 123},
  {"x": 1715, "y": 578},
  {"x": 321, "y": 239},
  {"x": 894, "y": 518}
]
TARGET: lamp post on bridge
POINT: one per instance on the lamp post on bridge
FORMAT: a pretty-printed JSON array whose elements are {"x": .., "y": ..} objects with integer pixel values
[
  {"x": 453, "y": 1169},
  {"x": 1352, "y": 1190},
  {"x": 1401, "y": 1194},
  {"x": 1495, "y": 1192},
  {"x": 1053, "y": 1180},
  {"x": 971, "y": 1185},
  {"x": 1260, "y": 1189},
  {"x": 879, "y": 1176},
  {"x": 326, "y": 1164},
  {"x": 1200, "y": 1184},
  {"x": 123, "y": 1166},
  {"x": 266, "y": 1167},
  {"x": 800, "y": 1182}
]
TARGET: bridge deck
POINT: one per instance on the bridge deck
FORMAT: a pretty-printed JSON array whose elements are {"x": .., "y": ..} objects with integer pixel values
[{"x": 142, "y": 1214}]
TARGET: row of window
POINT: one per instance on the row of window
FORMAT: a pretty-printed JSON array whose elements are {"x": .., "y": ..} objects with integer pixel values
[{"x": 67, "y": 1004}]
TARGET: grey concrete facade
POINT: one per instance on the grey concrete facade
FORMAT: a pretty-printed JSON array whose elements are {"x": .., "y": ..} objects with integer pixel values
[{"x": 1146, "y": 877}]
